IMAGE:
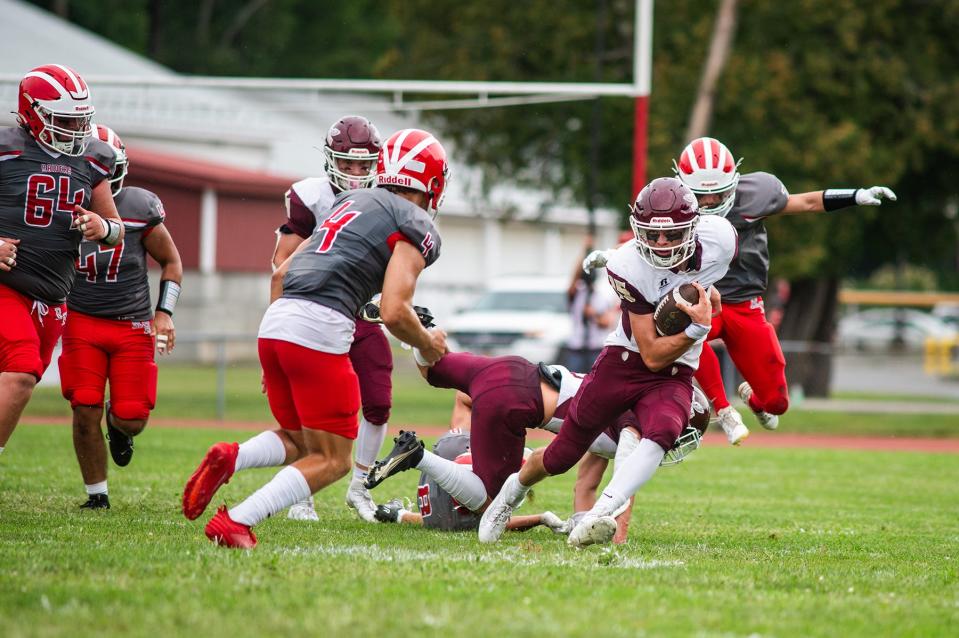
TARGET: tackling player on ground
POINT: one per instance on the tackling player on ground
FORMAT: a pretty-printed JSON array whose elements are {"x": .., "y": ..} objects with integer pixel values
[
  {"x": 111, "y": 329},
  {"x": 638, "y": 370},
  {"x": 377, "y": 239},
  {"x": 51, "y": 171},
  {"x": 351, "y": 146},
  {"x": 712, "y": 172}
]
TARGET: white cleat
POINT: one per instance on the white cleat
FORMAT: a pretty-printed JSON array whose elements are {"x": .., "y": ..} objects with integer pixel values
[
  {"x": 303, "y": 511},
  {"x": 767, "y": 420},
  {"x": 497, "y": 515},
  {"x": 732, "y": 424},
  {"x": 358, "y": 497},
  {"x": 592, "y": 530}
]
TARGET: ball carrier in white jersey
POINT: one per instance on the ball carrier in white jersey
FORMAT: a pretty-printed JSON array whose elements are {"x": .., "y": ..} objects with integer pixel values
[
  {"x": 638, "y": 370},
  {"x": 374, "y": 240},
  {"x": 351, "y": 147}
]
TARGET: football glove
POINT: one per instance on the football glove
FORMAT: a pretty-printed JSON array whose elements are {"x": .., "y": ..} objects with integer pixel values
[
  {"x": 596, "y": 259},
  {"x": 873, "y": 196}
]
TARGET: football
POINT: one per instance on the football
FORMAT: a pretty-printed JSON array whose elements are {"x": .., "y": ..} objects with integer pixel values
[{"x": 668, "y": 317}]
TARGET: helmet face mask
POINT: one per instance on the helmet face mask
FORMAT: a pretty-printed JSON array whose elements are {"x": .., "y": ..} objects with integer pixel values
[
  {"x": 665, "y": 209},
  {"x": 351, "y": 142},
  {"x": 54, "y": 105},
  {"x": 691, "y": 438},
  {"x": 707, "y": 167}
]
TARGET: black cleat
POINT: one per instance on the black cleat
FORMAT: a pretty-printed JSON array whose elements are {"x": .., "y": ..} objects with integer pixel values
[
  {"x": 97, "y": 502},
  {"x": 121, "y": 443},
  {"x": 389, "y": 512},
  {"x": 405, "y": 455}
]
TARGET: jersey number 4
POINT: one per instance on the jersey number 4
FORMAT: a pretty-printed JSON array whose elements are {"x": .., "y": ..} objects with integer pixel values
[
  {"x": 87, "y": 264},
  {"x": 45, "y": 196},
  {"x": 333, "y": 224}
]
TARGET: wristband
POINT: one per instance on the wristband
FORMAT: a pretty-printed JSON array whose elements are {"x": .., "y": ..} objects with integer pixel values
[
  {"x": 169, "y": 293},
  {"x": 696, "y": 331},
  {"x": 112, "y": 238},
  {"x": 836, "y": 198}
]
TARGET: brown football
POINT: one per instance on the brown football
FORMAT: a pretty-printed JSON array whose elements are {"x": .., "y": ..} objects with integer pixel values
[{"x": 669, "y": 319}]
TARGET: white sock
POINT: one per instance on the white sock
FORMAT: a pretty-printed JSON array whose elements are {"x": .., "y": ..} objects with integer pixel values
[
  {"x": 514, "y": 490},
  {"x": 287, "y": 487},
  {"x": 629, "y": 476},
  {"x": 96, "y": 488},
  {"x": 455, "y": 479},
  {"x": 266, "y": 449},
  {"x": 628, "y": 440},
  {"x": 369, "y": 440}
]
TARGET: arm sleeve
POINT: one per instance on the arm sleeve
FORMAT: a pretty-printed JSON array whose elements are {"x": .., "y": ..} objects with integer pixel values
[
  {"x": 299, "y": 219},
  {"x": 630, "y": 297}
]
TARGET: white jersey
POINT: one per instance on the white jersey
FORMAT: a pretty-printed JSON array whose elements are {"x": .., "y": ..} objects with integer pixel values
[
  {"x": 640, "y": 286},
  {"x": 568, "y": 387},
  {"x": 316, "y": 193}
]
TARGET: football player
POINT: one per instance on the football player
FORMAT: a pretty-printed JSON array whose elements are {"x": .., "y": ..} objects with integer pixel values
[
  {"x": 351, "y": 146},
  {"x": 712, "y": 172},
  {"x": 52, "y": 171},
  {"x": 374, "y": 240},
  {"x": 111, "y": 329},
  {"x": 638, "y": 370}
]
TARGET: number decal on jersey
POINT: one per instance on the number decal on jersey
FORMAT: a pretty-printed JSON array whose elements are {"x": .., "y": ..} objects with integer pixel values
[
  {"x": 620, "y": 287},
  {"x": 87, "y": 264},
  {"x": 333, "y": 224},
  {"x": 423, "y": 499},
  {"x": 47, "y": 195}
]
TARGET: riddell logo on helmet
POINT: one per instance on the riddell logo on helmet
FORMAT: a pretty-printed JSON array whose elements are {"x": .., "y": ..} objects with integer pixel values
[
  {"x": 661, "y": 220},
  {"x": 398, "y": 180}
]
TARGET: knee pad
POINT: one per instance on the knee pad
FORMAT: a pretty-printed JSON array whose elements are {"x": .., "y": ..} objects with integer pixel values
[
  {"x": 130, "y": 410},
  {"x": 377, "y": 414},
  {"x": 85, "y": 397},
  {"x": 663, "y": 430}
]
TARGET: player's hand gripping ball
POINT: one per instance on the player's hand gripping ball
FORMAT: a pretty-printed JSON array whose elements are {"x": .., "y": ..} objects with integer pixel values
[{"x": 668, "y": 317}]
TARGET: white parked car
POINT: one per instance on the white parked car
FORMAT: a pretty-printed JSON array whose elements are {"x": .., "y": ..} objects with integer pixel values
[
  {"x": 876, "y": 329},
  {"x": 523, "y": 316}
]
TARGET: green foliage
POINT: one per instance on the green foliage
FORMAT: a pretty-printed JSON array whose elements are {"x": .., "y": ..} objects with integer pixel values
[{"x": 840, "y": 545}]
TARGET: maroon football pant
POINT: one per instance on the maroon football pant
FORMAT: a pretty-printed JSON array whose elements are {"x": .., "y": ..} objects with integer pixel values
[
  {"x": 754, "y": 348},
  {"x": 507, "y": 399},
  {"x": 619, "y": 381},
  {"x": 373, "y": 363}
]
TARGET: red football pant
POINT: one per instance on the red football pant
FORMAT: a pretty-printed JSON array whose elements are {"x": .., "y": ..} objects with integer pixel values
[
  {"x": 754, "y": 348},
  {"x": 29, "y": 330},
  {"x": 96, "y": 350},
  {"x": 310, "y": 389}
]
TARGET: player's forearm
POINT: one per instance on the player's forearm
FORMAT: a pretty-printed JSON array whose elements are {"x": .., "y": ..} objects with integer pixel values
[
  {"x": 811, "y": 202},
  {"x": 403, "y": 324},
  {"x": 662, "y": 352},
  {"x": 172, "y": 270},
  {"x": 523, "y": 523}
]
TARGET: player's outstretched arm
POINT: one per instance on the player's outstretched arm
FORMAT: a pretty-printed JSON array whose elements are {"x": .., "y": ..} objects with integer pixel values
[
  {"x": 159, "y": 244},
  {"x": 396, "y": 304},
  {"x": 835, "y": 199}
]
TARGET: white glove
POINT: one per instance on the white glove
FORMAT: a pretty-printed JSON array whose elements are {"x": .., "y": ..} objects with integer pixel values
[
  {"x": 596, "y": 259},
  {"x": 873, "y": 196},
  {"x": 555, "y": 523}
]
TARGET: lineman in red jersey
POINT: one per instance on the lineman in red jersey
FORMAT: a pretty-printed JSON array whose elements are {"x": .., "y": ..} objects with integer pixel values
[
  {"x": 377, "y": 239},
  {"x": 638, "y": 370},
  {"x": 51, "y": 171},
  {"x": 350, "y": 149},
  {"x": 110, "y": 330},
  {"x": 710, "y": 170}
]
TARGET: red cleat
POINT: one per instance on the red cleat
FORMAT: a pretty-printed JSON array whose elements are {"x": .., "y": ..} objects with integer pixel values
[
  {"x": 215, "y": 470},
  {"x": 223, "y": 530}
]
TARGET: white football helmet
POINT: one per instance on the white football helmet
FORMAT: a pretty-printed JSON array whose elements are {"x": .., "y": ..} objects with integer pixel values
[{"x": 710, "y": 171}]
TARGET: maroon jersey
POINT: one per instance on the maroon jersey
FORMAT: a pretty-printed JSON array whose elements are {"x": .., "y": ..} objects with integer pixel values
[
  {"x": 345, "y": 260},
  {"x": 38, "y": 192},
  {"x": 111, "y": 281}
]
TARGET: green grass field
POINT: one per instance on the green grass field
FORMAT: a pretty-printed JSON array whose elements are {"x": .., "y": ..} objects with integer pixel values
[{"x": 734, "y": 542}]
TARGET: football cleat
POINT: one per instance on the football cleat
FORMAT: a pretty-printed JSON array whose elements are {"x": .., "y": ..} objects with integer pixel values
[
  {"x": 359, "y": 499},
  {"x": 405, "y": 455},
  {"x": 215, "y": 470},
  {"x": 732, "y": 424},
  {"x": 97, "y": 502},
  {"x": 121, "y": 443},
  {"x": 592, "y": 530},
  {"x": 389, "y": 512},
  {"x": 767, "y": 420},
  {"x": 304, "y": 510},
  {"x": 497, "y": 515},
  {"x": 224, "y": 531}
]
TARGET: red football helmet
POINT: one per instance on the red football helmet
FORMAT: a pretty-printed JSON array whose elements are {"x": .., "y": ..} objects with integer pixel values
[
  {"x": 708, "y": 168},
  {"x": 414, "y": 159},
  {"x": 109, "y": 136},
  {"x": 54, "y": 105},
  {"x": 665, "y": 208},
  {"x": 352, "y": 138}
]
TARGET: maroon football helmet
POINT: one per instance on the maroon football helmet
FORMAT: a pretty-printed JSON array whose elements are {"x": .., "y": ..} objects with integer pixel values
[
  {"x": 352, "y": 138},
  {"x": 665, "y": 208}
]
